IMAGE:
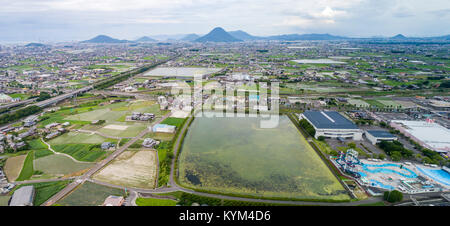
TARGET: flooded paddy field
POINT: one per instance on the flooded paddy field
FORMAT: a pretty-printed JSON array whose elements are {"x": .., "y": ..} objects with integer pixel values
[{"x": 236, "y": 156}]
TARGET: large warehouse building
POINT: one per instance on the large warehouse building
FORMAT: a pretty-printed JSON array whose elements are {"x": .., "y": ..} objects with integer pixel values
[
  {"x": 332, "y": 124},
  {"x": 427, "y": 133}
]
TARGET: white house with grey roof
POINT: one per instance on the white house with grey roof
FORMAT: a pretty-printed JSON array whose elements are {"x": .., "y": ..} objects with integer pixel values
[{"x": 332, "y": 124}]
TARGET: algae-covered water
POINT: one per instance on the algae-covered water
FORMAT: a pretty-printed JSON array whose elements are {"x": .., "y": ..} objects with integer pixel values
[{"x": 234, "y": 155}]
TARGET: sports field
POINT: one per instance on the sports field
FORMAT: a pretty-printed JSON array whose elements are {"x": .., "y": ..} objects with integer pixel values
[
  {"x": 131, "y": 169},
  {"x": 358, "y": 103},
  {"x": 389, "y": 103},
  {"x": 235, "y": 155}
]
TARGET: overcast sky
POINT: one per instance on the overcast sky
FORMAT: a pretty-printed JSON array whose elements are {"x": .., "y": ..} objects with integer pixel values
[{"x": 66, "y": 20}]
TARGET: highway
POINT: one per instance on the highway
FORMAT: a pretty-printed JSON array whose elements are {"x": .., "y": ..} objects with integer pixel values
[
  {"x": 7, "y": 106},
  {"x": 62, "y": 97}
]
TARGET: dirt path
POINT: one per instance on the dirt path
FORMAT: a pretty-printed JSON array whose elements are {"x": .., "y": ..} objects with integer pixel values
[{"x": 59, "y": 153}]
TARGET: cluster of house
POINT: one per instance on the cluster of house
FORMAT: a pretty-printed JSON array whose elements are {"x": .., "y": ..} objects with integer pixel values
[
  {"x": 55, "y": 129},
  {"x": 108, "y": 145},
  {"x": 7, "y": 99},
  {"x": 5, "y": 187},
  {"x": 15, "y": 142},
  {"x": 137, "y": 116}
]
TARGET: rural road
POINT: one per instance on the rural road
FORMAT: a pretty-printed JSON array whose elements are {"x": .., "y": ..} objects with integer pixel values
[{"x": 80, "y": 180}]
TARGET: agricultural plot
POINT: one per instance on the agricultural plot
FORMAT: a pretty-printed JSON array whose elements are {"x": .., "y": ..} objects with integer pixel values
[
  {"x": 160, "y": 136},
  {"x": 124, "y": 129},
  {"x": 89, "y": 194},
  {"x": 241, "y": 158},
  {"x": 27, "y": 169},
  {"x": 40, "y": 149},
  {"x": 45, "y": 190},
  {"x": 155, "y": 202},
  {"x": 406, "y": 104},
  {"x": 99, "y": 114},
  {"x": 59, "y": 165},
  {"x": 181, "y": 71},
  {"x": 81, "y": 146},
  {"x": 115, "y": 114},
  {"x": 4, "y": 200},
  {"x": 131, "y": 169},
  {"x": 75, "y": 138},
  {"x": 81, "y": 152},
  {"x": 358, "y": 103},
  {"x": 173, "y": 121},
  {"x": 13, "y": 166}
]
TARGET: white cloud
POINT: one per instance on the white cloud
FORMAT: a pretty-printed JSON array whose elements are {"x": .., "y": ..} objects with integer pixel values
[{"x": 259, "y": 17}]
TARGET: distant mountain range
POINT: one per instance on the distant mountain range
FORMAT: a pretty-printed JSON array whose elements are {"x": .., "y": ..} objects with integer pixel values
[
  {"x": 295, "y": 37},
  {"x": 242, "y": 35},
  {"x": 218, "y": 34},
  {"x": 105, "y": 39},
  {"x": 190, "y": 37},
  {"x": 145, "y": 39},
  {"x": 33, "y": 44}
]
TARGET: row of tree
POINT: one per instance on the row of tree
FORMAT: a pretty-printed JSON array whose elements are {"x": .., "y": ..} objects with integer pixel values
[
  {"x": 11, "y": 117},
  {"x": 395, "y": 149},
  {"x": 307, "y": 127}
]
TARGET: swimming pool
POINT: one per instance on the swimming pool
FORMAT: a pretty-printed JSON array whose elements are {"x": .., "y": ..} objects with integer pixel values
[
  {"x": 440, "y": 176},
  {"x": 380, "y": 169},
  {"x": 381, "y": 185}
]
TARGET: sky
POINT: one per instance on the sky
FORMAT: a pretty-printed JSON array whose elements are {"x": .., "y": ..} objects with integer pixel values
[{"x": 75, "y": 20}]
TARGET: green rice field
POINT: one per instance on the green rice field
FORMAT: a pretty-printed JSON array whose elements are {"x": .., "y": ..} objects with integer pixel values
[
  {"x": 59, "y": 165},
  {"x": 236, "y": 156},
  {"x": 81, "y": 146},
  {"x": 155, "y": 202},
  {"x": 89, "y": 194},
  {"x": 74, "y": 137},
  {"x": 45, "y": 190}
]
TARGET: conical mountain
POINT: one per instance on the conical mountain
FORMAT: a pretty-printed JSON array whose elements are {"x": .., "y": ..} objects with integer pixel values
[{"x": 218, "y": 34}]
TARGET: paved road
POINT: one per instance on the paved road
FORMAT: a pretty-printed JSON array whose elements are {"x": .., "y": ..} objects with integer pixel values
[
  {"x": 80, "y": 180},
  {"x": 42, "y": 180}
]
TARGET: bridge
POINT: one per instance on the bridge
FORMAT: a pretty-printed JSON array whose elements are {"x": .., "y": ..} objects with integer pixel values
[{"x": 62, "y": 97}]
